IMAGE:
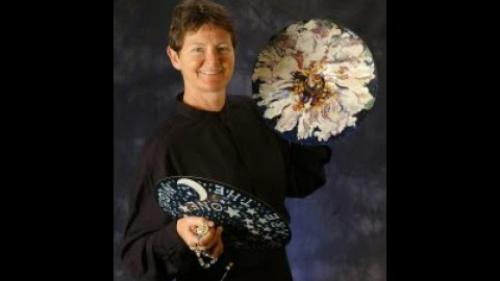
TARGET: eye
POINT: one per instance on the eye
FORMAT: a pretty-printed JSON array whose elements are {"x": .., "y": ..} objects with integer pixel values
[
  {"x": 224, "y": 49},
  {"x": 197, "y": 50}
]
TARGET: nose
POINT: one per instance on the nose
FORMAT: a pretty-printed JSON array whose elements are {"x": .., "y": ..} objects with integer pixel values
[{"x": 213, "y": 58}]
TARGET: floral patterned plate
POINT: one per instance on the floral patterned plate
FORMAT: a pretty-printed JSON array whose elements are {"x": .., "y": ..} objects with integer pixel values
[{"x": 314, "y": 81}]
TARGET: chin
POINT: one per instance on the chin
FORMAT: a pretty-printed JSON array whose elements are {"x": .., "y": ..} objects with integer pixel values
[{"x": 215, "y": 87}]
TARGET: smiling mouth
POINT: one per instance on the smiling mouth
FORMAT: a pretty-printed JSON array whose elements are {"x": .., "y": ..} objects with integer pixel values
[{"x": 211, "y": 72}]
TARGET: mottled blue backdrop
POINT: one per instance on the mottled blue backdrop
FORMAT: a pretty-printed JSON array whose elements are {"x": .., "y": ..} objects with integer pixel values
[{"x": 339, "y": 232}]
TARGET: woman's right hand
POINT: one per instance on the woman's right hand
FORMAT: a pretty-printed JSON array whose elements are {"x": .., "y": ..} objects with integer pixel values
[{"x": 211, "y": 241}]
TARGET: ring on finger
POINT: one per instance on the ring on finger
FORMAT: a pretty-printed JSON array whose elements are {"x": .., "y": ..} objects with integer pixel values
[{"x": 201, "y": 230}]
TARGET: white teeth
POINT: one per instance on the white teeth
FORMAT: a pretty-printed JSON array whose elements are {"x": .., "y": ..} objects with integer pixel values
[{"x": 210, "y": 73}]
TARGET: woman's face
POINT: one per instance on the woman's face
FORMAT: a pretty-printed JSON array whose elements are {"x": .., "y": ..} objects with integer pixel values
[{"x": 206, "y": 60}]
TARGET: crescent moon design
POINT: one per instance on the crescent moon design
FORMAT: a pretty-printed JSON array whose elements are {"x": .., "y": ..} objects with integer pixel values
[{"x": 202, "y": 193}]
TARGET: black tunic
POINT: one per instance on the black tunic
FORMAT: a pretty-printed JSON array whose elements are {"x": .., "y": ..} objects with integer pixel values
[{"x": 232, "y": 146}]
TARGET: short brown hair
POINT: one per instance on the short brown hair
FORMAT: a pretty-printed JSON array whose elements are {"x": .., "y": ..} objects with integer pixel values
[{"x": 190, "y": 15}]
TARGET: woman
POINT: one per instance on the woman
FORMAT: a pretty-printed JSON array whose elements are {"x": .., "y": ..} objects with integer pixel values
[{"x": 217, "y": 136}]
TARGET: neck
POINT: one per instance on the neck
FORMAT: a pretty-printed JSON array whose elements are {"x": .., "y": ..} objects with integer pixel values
[{"x": 206, "y": 101}]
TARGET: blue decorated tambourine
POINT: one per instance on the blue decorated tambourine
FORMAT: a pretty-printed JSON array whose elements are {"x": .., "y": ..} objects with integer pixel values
[
  {"x": 314, "y": 81},
  {"x": 249, "y": 223}
]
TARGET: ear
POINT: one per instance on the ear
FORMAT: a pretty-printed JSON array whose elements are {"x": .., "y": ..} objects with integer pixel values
[{"x": 174, "y": 58}]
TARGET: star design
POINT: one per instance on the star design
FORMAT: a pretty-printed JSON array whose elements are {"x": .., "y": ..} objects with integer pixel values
[
  {"x": 251, "y": 211},
  {"x": 232, "y": 212},
  {"x": 283, "y": 233},
  {"x": 267, "y": 229},
  {"x": 184, "y": 208},
  {"x": 253, "y": 231},
  {"x": 248, "y": 221},
  {"x": 262, "y": 220},
  {"x": 267, "y": 237}
]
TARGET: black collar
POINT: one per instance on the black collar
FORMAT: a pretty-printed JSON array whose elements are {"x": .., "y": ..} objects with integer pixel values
[{"x": 195, "y": 113}]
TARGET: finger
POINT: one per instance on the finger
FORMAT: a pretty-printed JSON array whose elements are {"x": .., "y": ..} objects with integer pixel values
[
  {"x": 218, "y": 249},
  {"x": 200, "y": 227},
  {"x": 197, "y": 224},
  {"x": 212, "y": 235},
  {"x": 187, "y": 232},
  {"x": 191, "y": 227},
  {"x": 211, "y": 239}
]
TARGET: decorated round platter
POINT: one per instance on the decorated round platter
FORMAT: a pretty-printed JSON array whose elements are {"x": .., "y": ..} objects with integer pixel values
[
  {"x": 314, "y": 81},
  {"x": 249, "y": 223}
]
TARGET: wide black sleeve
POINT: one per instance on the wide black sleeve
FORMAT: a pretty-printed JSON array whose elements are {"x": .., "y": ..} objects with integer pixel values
[
  {"x": 305, "y": 166},
  {"x": 151, "y": 248}
]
